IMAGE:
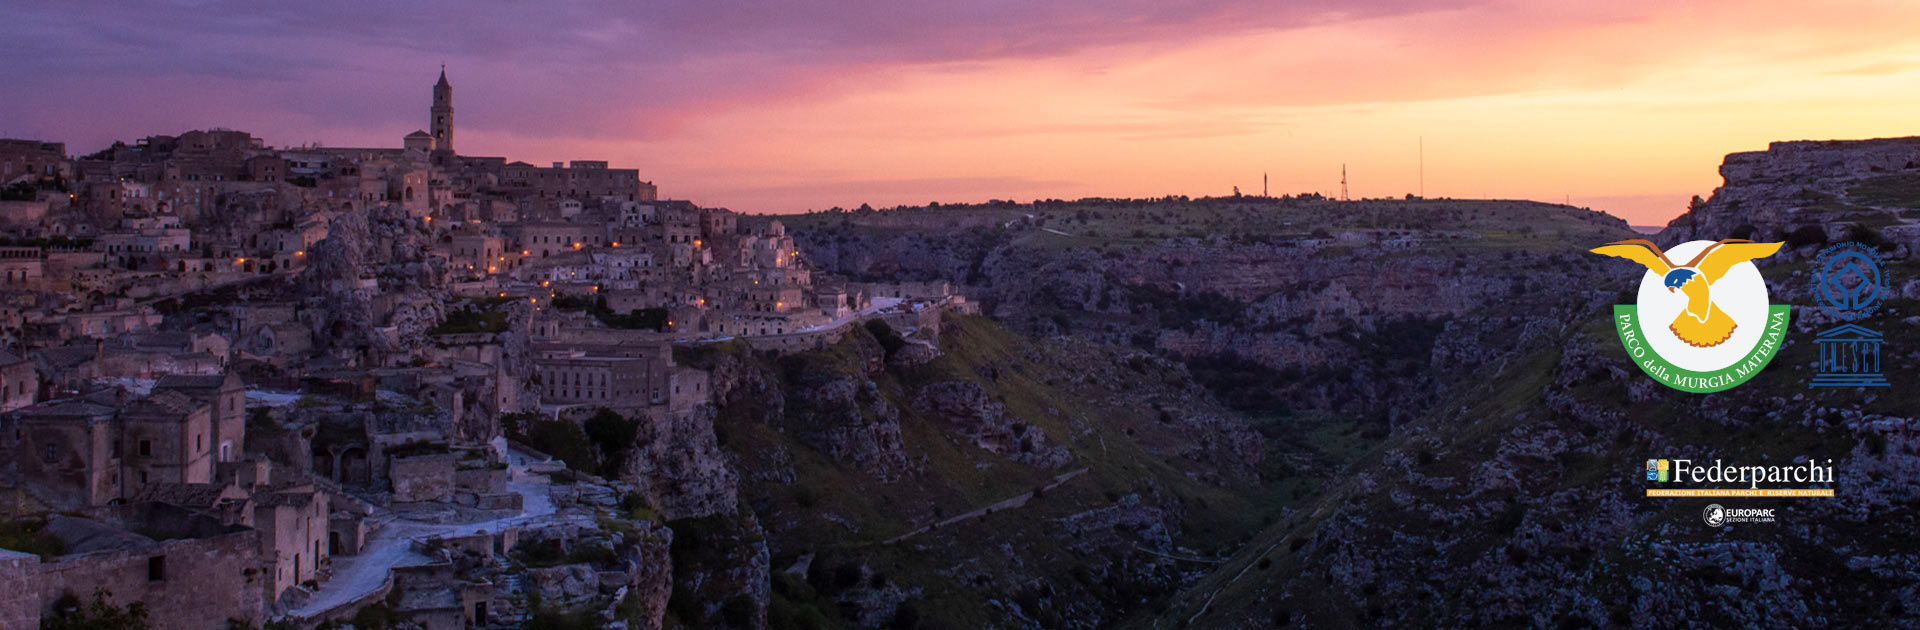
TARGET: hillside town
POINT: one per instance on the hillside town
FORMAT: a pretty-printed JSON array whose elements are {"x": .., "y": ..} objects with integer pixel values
[{"x": 251, "y": 385}]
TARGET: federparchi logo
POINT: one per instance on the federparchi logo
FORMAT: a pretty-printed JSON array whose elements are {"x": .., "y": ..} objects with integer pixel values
[{"x": 1701, "y": 322}]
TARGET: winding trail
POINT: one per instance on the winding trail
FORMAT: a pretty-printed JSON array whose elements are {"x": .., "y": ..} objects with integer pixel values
[{"x": 1004, "y": 504}]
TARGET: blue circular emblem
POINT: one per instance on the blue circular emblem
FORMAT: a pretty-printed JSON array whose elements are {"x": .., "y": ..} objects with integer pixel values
[{"x": 1848, "y": 279}]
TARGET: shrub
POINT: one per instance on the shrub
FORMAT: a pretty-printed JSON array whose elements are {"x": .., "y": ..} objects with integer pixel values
[
  {"x": 1807, "y": 235},
  {"x": 613, "y": 434},
  {"x": 100, "y": 614},
  {"x": 738, "y": 611}
]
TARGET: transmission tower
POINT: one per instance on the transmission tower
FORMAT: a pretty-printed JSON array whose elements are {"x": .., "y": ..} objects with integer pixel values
[{"x": 1343, "y": 183}]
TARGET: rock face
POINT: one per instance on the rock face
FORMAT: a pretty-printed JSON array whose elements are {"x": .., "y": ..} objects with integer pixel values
[
  {"x": 843, "y": 415},
  {"x": 371, "y": 284},
  {"x": 677, "y": 464},
  {"x": 650, "y": 565},
  {"x": 850, "y": 422},
  {"x": 566, "y": 584},
  {"x": 1821, "y": 190},
  {"x": 722, "y": 572},
  {"x": 965, "y": 409},
  {"x": 1345, "y": 314}
]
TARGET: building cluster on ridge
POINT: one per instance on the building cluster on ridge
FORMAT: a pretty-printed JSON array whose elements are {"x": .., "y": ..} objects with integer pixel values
[{"x": 219, "y": 368}]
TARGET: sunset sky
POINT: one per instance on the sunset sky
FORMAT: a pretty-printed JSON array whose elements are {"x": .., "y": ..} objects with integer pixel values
[{"x": 1623, "y": 106}]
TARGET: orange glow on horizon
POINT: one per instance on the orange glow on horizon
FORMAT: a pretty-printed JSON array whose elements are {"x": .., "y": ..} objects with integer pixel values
[
  {"x": 1626, "y": 106},
  {"x": 1539, "y": 102}
]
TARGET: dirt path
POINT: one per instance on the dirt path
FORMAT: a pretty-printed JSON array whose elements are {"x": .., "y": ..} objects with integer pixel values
[{"x": 1018, "y": 500}]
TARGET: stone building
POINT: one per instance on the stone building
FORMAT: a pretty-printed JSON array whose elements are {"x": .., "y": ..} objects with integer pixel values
[
  {"x": 226, "y": 396},
  {"x": 22, "y": 268},
  {"x": 67, "y": 451},
  {"x": 293, "y": 525},
  {"x": 31, "y": 159},
  {"x": 93, "y": 450},
  {"x": 169, "y": 439},
  {"x": 19, "y": 383}
]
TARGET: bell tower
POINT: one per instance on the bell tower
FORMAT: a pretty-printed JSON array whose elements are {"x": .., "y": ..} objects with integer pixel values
[{"x": 442, "y": 114}]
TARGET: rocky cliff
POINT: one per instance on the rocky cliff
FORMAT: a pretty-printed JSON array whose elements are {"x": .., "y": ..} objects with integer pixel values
[
  {"x": 1813, "y": 192},
  {"x": 1286, "y": 307},
  {"x": 371, "y": 285},
  {"x": 1520, "y": 501}
]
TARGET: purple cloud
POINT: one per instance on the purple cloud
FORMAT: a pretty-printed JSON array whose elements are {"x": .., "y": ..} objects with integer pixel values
[{"x": 358, "y": 71}]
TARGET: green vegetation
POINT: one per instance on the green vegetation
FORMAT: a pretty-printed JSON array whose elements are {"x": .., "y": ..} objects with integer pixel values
[
  {"x": 1806, "y": 236},
  {"x": 381, "y": 615},
  {"x": 613, "y": 434},
  {"x": 599, "y": 446},
  {"x": 417, "y": 448},
  {"x": 1900, "y": 190},
  {"x": 57, "y": 242},
  {"x": 1288, "y": 221},
  {"x": 19, "y": 191},
  {"x": 552, "y": 552},
  {"x": 562, "y": 439},
  {"x": 28, "y": 535},
  {"x": 709, "y": 543},
  {"x": 1063, "y": 390},
  {"x": 550, "y": 618},
  {"x": 1243, "y": 384},
  {"x": 795, "y": 605},
  {"x": 100, "y": 614},
  {"x": 465, "y": 321},
  {"x": 639, "y": 319},
  {"x": 1185, "y": 311}
]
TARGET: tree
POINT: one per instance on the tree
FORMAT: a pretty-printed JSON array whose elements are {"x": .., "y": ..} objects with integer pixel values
[{"x": 614, "y": 435}]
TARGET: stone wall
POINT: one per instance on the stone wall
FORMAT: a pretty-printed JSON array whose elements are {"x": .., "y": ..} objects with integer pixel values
[
  {"x": 422, "y": 477},
  {"x": 481, "y": 480},
  {"x": 194, "y": 584},
  {"x": 19, "y": 598}
]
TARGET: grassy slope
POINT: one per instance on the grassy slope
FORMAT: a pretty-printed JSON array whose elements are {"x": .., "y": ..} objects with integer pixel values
[{"x": 844, "y": 514}]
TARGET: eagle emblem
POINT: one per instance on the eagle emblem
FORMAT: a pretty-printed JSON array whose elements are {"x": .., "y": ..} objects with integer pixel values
[{"x": 1702, "y": 324}]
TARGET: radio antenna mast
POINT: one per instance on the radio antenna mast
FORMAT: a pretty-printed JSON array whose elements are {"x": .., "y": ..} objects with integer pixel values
[{"x": 1343, "y": 183}]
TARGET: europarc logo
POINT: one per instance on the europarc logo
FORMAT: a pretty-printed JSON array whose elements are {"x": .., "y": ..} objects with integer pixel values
[
  {"x": 1713, "y": 327},
  {"x": 1716, "y": 516}
]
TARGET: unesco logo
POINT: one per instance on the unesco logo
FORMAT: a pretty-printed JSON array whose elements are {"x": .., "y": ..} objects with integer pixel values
[
  {"x": 1714, "y": 515},
  {"x": 1850, "y": 281}
]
